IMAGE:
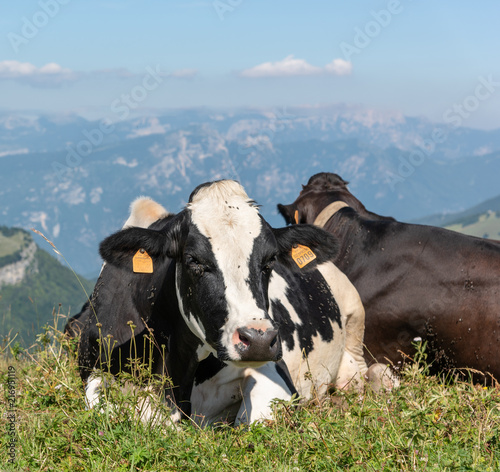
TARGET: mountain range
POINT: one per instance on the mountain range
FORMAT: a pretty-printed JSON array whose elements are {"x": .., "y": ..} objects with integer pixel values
[{"x": 73, "y": 179}]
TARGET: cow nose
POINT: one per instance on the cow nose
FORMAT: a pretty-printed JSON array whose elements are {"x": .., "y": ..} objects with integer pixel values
[{"x": 257, "y": 345}]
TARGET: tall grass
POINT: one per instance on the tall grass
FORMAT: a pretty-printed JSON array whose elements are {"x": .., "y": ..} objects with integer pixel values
[{"x": 428, "y": 424}]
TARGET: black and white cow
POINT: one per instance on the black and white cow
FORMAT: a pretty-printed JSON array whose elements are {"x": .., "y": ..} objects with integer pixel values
[
  {"x": 227, "y": 298},
  {"x": 415, "y": 281}
]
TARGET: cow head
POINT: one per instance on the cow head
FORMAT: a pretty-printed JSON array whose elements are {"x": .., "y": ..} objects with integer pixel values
[
  {"x": 224, "y": 253},
  {"x": 321, "y": 190}
]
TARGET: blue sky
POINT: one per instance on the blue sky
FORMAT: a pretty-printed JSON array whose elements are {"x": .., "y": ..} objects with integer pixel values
[{"x": 415, "y": 56}]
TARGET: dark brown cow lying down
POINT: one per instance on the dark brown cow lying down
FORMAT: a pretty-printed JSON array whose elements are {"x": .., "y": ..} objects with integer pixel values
[{"x": 415, "y": 281}]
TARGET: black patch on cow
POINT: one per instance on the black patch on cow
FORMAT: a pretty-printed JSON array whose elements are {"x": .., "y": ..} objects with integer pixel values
[
  {"x": 208, "y": 369},
  {"x": 203, "y": 288},
  {"x": 149, "y": 302},
  {"x": 123, "y": 305},
  {"x": 286, "y": 327},
  {"x": 310, "y": 296},
  {"x": 261, "y": 263}
]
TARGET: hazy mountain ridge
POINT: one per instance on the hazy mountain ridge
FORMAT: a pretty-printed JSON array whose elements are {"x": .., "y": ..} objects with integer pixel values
[
  {"x": 379, "y": 128},
  {"x": 481, "y": 220},
  {"x": 490, "y": 205},
  {"x": 271, "y": 153}
]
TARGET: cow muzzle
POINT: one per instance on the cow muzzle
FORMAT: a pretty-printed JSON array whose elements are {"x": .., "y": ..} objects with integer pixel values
[{"x": 256, "y": 345}]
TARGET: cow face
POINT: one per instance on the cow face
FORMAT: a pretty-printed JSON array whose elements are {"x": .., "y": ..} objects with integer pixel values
[{"x": 224, "y": 253}]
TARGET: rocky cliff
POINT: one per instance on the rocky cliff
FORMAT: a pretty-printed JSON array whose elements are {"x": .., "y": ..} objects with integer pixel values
[{"x": 15, "y": 272}]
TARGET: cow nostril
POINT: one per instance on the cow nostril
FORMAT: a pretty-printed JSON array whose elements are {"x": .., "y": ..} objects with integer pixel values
[
  {"x": 254, "y": 344},
  {"x": 244, "y": 339}
]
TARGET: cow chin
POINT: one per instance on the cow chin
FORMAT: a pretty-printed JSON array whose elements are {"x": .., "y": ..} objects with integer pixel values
[
  {"x": 248, "y": 364},
  {"x": 241, "y": 358}
]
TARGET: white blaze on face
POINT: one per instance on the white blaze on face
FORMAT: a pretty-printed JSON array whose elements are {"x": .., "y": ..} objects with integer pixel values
[{"x": 224, "y": 213}]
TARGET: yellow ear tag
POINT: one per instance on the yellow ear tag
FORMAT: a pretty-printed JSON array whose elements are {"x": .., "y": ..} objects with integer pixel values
[
  {"x": 302, "y": 255},
  {"x": 296, "y": 216},
  {"x": 142, "y": 262}
]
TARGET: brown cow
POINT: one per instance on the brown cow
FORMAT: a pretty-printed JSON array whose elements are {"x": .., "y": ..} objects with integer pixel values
[{"x": 415, "y": 281}]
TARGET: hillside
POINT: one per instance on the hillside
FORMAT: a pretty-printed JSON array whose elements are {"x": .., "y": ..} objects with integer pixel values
[
  {"x": 486, "y": 225},
  {"x": 32, "y": 284},
  {"x": 482, "y": 220}
]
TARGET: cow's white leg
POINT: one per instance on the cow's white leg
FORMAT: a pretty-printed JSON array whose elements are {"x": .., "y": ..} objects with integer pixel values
[
  {"x": 218, "y": 398},
  {"x": 146, "y": 401},
  {"x": 259, "y": 388},
  {"x": 349, "y": 376},
  {"x": 353, "y": 365},
  {"x": 93, "y": 390}
]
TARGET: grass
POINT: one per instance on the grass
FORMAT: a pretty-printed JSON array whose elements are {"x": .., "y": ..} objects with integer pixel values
[
  {"x": 12, "y": 244},
  {"x": 425, "y": 425}
]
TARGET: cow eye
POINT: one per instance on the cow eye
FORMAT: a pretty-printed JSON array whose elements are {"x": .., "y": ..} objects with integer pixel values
[
  {"x": 267, "y": 267},
  {"x": 195, "y": 266}
]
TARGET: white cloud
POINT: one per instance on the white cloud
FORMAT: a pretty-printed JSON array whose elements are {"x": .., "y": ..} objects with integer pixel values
[
  {"x": 74, "y": 196},
  {"x": 121, "y": 161},
  {"x": 49, "y": 75},
  {"x": 14, "y": 151},
  {"x": 95, "y": 195},
  {"x": 339, "y": 67},
  {"x": 38, "y": 217},
  {"x": 291, "y": 67},
  {"x": 53, "y": 75},
  {"x": 286, "y": 67},
  {"x": 56, "y": 231}
]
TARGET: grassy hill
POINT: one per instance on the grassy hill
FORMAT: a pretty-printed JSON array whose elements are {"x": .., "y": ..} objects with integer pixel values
[
  {"x": 26, "y": 306},
  {"x": 482, "y": 220},
  {"x": 485, "y": 225},
  {"x": 12, "y": 242}
]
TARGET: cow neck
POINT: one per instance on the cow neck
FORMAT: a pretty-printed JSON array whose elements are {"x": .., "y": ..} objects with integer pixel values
[{"x": 328, "y": 212}]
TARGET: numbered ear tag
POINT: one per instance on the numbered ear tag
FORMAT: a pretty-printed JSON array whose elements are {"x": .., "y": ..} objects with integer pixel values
[
  {"x": 302, "y": 255},
  {"x": 142, "y": 262},
  {"x": 296, "y": 216}
]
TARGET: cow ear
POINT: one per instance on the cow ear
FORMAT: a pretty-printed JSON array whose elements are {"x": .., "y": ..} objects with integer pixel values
[
  {"x": 295, "y": 241},
  {"x": 119, "y": 248},
  {"x": 289, "y": 212}
]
